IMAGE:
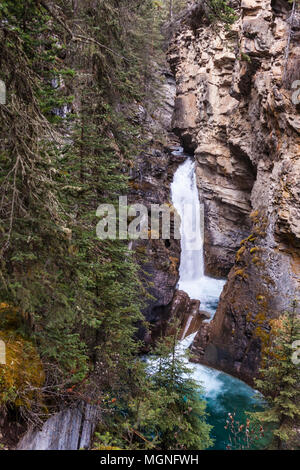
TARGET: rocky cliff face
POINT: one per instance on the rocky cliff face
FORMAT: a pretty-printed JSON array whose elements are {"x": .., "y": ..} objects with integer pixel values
[
  {"x": 151, "y": 177},
  {"x": 234, "y": 110}
]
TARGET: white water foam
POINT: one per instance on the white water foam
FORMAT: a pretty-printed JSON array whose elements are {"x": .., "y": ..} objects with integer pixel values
[
  {"x": 206, "y": 377},
  {"x": 192, "y": 280}
]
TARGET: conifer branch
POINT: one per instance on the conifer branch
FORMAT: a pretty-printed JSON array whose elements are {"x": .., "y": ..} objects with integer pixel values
[{"x": 78, "y": 37}]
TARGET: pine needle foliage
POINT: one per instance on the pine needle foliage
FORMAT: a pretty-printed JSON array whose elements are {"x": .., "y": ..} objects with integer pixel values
[
  {"x": 66, "y": 147},
  {"x": 164, "y": 411},
  {"x": 279, "y": 381}
]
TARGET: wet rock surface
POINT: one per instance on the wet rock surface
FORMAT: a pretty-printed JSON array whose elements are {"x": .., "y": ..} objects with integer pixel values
[{"x": 183, "y": 311}]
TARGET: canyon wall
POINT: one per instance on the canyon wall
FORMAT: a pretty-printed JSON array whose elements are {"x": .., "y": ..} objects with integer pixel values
[
  {"x": 150, "y": 180},
  {"x": 234, "y": 110}
]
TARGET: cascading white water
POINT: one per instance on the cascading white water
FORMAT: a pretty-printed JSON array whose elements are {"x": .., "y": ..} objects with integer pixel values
[
  {"x": 192, "y": 280},
  {"x": 222, "y": 392},
  {"x": 186, "y": 201}
]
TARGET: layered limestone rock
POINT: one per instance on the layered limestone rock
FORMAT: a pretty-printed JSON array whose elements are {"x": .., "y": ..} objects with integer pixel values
[{"x": 236, "y": 109}]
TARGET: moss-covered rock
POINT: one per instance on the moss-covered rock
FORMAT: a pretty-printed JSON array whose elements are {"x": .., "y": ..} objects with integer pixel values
[{"x": 22, "y": 376}]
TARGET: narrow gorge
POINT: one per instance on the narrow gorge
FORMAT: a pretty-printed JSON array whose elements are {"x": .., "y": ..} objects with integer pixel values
[{"x": 188, "y": 110}]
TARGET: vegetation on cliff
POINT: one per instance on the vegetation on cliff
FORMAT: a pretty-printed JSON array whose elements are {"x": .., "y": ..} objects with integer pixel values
[
  {"x": 70, "y": 304},
  {"x": 77, "y": 297},
  {"x": 73, "y": 302}
]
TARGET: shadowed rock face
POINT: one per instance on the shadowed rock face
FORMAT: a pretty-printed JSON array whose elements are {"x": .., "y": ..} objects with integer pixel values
[
  {"x": 183, "y": 309},
  {"x": 184, "y": 120},
  {"x": 150, "y": 182},
  {"x": 234, "y": 107}
]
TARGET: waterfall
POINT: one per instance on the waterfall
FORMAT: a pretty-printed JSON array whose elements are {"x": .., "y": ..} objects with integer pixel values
[
  {"x": 222, "y": 392},
  {"x": 185, "y": 198},
  {"x": 186, "y": 201}
]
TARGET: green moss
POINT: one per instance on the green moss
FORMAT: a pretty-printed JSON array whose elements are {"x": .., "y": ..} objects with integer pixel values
[
  {"x": 245, "y": 57},
  {"x": 263, "y": 335},
  {"x": 254, "y": 215},
  {"x": 241, "y": 273},
  {"x": 260, "y": 318}
]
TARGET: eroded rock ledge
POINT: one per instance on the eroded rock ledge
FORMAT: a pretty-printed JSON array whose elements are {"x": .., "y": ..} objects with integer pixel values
[{"x": 234, "y": 110}]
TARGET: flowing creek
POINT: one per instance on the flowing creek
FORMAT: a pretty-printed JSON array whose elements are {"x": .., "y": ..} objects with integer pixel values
[{"x": 224, "y": 394}]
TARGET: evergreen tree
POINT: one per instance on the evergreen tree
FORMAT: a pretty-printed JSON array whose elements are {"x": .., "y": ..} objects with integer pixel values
[
  {"x": 279, "y": 381},
  {"x": 77, "y": 297},
  {"x": 220, "y": 10},
  {"x": 182, "y": 417},
  {"x": 163, "y": 408}
]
